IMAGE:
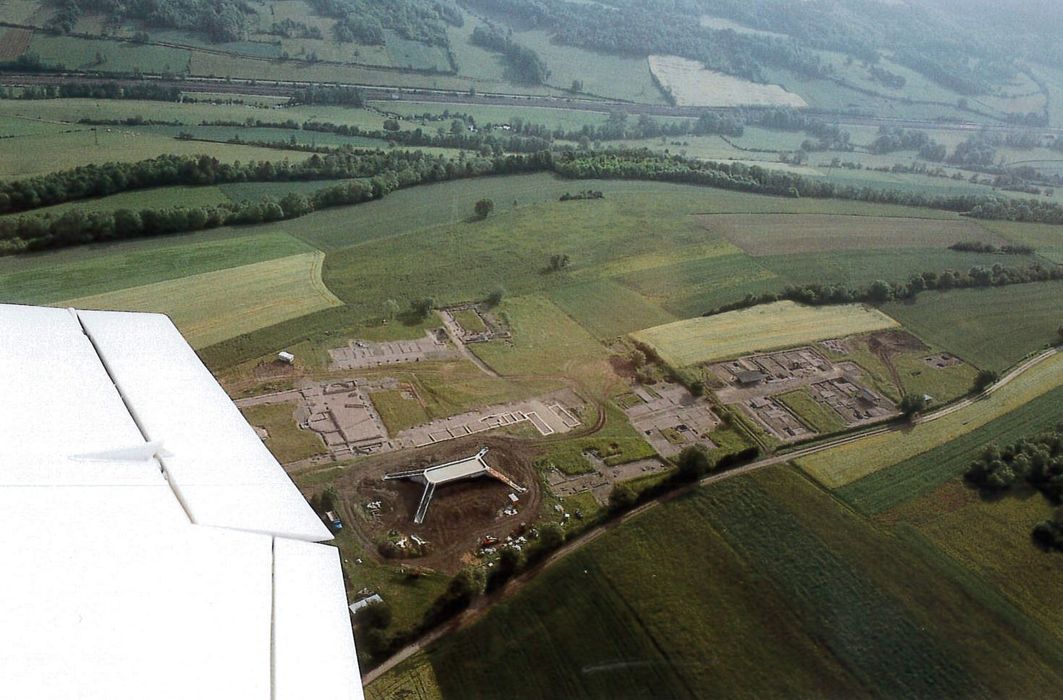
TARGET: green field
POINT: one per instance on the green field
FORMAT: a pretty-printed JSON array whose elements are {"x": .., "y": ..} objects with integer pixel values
[
  {"x": 820, "y": 418},
  {"x": 990, "y": 328},
  {"x": 397, "y": 411},
  {"x": 848, "y": 463},
  {"x": 470, "y": 321},
  {"x": 608, "y": 309},
  {"x": 102, "y": 55},
  {"x": 546, "y": 343},
  {"x": 46, "y": 278},
  {"x": 781, "y": 577},
  {"x": 37, "y": 155},
  {"x": 286, "y": 440},
  {"x": 993, "y": 539},
  {"x": 766, "y": 327},
  {"x": 917, "y": 476},
  {"x": 211, "y": 306},
  {"x": 855, "y": 269},
  {"x": 1047, "y": 240},
  {"x": 781, "y": 235}
]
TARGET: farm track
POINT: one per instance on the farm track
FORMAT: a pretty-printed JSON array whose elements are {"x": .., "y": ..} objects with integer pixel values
[
  {"x": 279, "y": 88},
  {"x": 481, "y": 605}
]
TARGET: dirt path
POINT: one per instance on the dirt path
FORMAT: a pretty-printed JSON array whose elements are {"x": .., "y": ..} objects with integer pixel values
[
  {"x": 484, "y": 603},
  {"x": 455, "y": 337}
]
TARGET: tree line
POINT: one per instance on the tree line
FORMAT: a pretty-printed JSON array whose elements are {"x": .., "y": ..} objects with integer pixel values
[
  {"x": 76, "y": 226},
  {"x": 881, "y": 291},
  {"x": 405, "y": 168},
  {"x": 642, "y": 164},
  {"x": 108, "y": 90}
]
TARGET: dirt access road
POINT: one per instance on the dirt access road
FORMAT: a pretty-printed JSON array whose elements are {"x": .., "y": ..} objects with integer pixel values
[{"x": 484, "y": 603}]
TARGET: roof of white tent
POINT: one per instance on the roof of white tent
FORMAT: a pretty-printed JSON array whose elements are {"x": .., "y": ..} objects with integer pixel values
[{"x": 112, "y": 586}]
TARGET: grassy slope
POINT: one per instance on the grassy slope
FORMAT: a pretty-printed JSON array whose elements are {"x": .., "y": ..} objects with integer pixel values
[{"x": 990, "y": 328}]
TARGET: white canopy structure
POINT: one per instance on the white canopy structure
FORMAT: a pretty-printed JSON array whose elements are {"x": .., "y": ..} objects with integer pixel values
[
  {"x": 458, "y": 470},
  {"x": 153, "y": 548}
]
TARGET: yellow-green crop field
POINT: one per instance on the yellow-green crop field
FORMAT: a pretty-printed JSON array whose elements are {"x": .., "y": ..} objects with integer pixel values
[
  {"x": 214, "y": 306},
  {"x": 847, "y": 463},
  {"x": 767, "y": 327}
]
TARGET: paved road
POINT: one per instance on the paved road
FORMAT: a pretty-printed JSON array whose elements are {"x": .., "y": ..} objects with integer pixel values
[{"x": 482, "y": 604}]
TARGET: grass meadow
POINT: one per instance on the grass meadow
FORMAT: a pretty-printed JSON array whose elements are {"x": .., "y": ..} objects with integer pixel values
[{"x": 47, "y": 278}]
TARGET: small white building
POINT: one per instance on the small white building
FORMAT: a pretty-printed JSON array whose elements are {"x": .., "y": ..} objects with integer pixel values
[
  {"x": 286, "y": 357},
  {"x": 366, "y": 602}
]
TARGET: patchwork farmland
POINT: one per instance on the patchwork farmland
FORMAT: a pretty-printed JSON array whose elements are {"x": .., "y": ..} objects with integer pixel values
[{"x": 731, "y": 299}]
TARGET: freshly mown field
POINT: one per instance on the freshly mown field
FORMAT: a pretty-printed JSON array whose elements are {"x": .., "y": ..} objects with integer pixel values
[
  {"x": 760, "y": 234},
  {"x": 699, "y": 596},
  {"x": 990, "y": 328},
  {"x": 766, "y": 327},
  {"x": 848, "y": 463},
  {"x": 212, "y": 306},
  {"x": 47, "y": 278},
  {"x": 285, "y": 440}
]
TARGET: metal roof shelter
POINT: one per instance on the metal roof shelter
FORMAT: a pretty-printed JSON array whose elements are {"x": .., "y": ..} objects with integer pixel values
[
  {"x": 152, "y": 546},
  {"x": 458, "y": 470}
]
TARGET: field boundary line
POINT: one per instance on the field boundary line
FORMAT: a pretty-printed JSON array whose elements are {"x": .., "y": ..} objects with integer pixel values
[{"x": 317, "y": 279}]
